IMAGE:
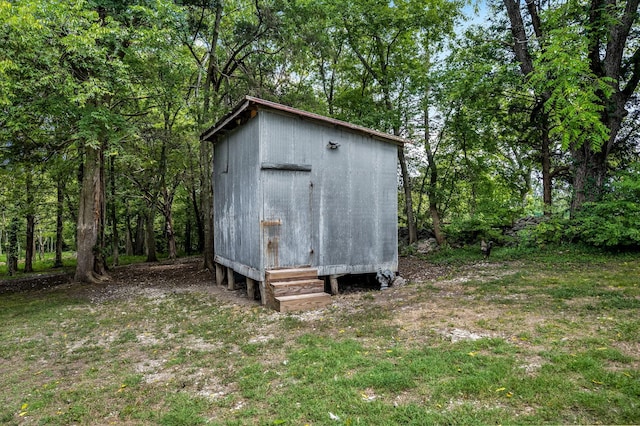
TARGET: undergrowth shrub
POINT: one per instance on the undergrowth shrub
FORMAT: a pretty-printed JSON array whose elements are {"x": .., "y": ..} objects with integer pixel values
[
  {"x": 472, "y": 230},
  {"x": 613, "y": 222},
  {"x": 552, "y": 231},
  {"x": 609, "y": 224}
]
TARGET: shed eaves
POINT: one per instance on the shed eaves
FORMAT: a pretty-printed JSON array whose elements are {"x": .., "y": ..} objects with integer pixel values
[{"x": 243, "y": 110}]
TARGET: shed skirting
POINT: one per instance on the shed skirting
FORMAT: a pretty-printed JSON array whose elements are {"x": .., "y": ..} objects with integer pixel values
[
  {"x": 356, "y": 269},
  {"x": 326, "y": 270},
  {"x": 245, "y": 270}
]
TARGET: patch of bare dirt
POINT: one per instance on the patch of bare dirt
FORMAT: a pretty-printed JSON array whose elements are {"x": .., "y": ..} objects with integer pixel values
[
  {"x": 156, "y": 281},
  {"x": 436, "y": 301},
  {"x": 414, "y": 269},
  {"x": 34, "y": 282},
  {"x": 439, "y": 310}
]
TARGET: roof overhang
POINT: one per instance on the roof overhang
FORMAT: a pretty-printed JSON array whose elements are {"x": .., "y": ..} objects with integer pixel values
[{"x": 249, "y": 107}]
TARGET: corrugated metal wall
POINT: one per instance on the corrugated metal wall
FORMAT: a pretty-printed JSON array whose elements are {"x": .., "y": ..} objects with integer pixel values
[
  {"x": 352, "y": 188},
  {"x": 237, "y": 210},
  {"x": 287, "y": 143},
  {"x": 357, "y": 199},
  {"x": 283, "y": 199}
]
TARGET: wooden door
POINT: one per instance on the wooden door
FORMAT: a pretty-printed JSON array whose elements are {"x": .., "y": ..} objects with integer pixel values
[{"x": 286, "y": 223}]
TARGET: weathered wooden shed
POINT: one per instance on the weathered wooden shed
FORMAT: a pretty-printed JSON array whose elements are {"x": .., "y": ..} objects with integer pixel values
[{"x": 298, "y": 197}]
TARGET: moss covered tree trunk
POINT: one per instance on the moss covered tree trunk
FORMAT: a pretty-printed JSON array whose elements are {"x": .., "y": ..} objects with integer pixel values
[{"x": 90, "y": 217}]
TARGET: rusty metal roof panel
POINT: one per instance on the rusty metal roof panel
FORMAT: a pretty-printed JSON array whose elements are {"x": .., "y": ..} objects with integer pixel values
[{"x": 249, "y": 105}]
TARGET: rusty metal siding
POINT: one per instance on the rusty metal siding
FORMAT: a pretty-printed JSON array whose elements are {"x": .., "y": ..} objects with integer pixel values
[
  {"x": 287, "y": 190},
  {"x": 287, "y": 241},
  {"x": 282, "y": 198},
  {"x": 357, "y": 204},
  {"x": 236, "y": 206},
  {"x": 351, "y": 192}
]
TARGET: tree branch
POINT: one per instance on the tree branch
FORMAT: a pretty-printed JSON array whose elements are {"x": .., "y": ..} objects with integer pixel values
[
  {"x": 632, "y": 65},
  {"x": 521, "y": 44}
]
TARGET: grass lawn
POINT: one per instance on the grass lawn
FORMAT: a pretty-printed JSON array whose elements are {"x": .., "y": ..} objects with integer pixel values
[
  {"x": 554, "y": 338},
  {"x": 45, "y": 263}
]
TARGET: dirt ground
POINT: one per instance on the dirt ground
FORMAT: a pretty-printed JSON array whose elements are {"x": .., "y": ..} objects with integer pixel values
[
  {"x": 436, "y": 301},
  {"x": 447, "y": 306},
  {"x": 156, "y": 280},
  {"x": 181, "y": 275}
]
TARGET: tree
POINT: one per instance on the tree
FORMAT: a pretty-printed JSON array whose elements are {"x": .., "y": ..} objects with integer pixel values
[
  {"x": 66, "y": 71},
  {"x": 95, "y": 60},
  {"x": 584, "y": 67},
  {"x": 431, "y": 173},
  {"x": 372, "y": 58},
  {"x": 164, "y": 90},
  {"x": 32, "y": 98},
  {"x": 12, "y": 247},
  {"x": 229, "y": 31}
]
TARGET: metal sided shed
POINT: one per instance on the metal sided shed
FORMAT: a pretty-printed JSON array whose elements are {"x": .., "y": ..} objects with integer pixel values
[{"x": 299, "y": 196}]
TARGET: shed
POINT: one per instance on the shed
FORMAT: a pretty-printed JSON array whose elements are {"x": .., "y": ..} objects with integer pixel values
[{"x": 299, "y": 200}]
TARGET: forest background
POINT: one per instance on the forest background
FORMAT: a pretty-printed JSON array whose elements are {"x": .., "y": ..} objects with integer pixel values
[{"x": 531, "y": 112}]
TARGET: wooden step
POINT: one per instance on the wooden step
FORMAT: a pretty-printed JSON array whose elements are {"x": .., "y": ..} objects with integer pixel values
[
  {"x": 293, "y": 274},
  {"x": 302, "y": 302},
  {"x": 293, "y": 288}
]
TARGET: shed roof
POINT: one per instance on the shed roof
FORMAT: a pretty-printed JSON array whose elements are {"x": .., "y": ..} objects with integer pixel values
[{"x": 249, "y": 106}]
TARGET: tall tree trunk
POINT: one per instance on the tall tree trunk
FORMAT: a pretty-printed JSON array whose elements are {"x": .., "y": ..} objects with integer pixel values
[
  {"x": 206, "y": 197},
  {"x": 547, "y": 183},
  {"x": 41, "y": 245},
  {"x": 171, "y": 237},
  {"x": 128, "y": 244},
  {"x": 590, "y": 169},
  {"x": 406, "y": 179},
  {"x": 115, "y": 238},
  {"x": 167, "y": 193},
  {"x": 206, "y": 162},
  {"x": 199, "y": 222},
  {"x": 151, "y": 236},
  {"x": 138, "y": 249},
  {"x": 433, "y": 181},
  {"x": 129, "y": 232},
  {"x": 89, "y": 216},
  {"x": 100, "y": 264},
  {"x": 583, "y": 185},
  {"x": 187, "y": 237},
  {"x": 538, "y": 115},
  {"x": 167, "y": 206},
  {"x": 29, "y": 247},
  {"x": 408, "y": 202},
  {"x": 12, "y": 247},
  {"x": 59, "y": 223}
]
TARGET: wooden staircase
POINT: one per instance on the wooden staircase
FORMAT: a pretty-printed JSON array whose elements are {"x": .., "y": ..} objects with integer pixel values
[{"x": 296, "y": 289}]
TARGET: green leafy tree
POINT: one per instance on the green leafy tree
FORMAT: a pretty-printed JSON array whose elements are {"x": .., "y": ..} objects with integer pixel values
[
  {"x": 167, "y": 71},
  {"x": 487, "y": 125},
  {"x": 371, "y": 59},
  {"x": 582, "y": 63},
  {"x": 221, "y": 37}
]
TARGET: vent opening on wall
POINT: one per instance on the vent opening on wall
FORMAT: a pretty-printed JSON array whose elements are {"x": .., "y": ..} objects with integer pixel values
[{"x": 333, "y": 145}]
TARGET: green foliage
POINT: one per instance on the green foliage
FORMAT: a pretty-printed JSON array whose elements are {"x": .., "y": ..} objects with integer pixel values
[
  {"x": 485, "y": 152},
  {"x": 132, "y": 78},
  {"x": 472, "y": 230},
  {"x": 576, "y": 94},
  {"x": 554, "y": 230},
  {"x": 613, "y": 222}
]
